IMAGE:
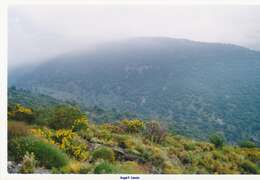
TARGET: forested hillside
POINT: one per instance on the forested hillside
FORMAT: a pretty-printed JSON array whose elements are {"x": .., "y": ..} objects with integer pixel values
[
  {"x": 196, "y": 88},
  {"x": 60, "y": 138},
  {"x": 40, "y": 102}
]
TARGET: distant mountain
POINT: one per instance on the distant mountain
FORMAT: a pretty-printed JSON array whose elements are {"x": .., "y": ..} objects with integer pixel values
[{"x": 198, "y": 88}]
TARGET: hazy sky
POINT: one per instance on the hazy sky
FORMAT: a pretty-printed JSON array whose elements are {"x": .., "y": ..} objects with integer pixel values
[{"x": 37, "y": 33}]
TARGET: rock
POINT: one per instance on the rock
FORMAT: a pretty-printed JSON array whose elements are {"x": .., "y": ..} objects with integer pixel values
[
  {"x": 13, "y": 167},
  {"x": 42, "y": 170},
  {"x": 122, "y": 155}
]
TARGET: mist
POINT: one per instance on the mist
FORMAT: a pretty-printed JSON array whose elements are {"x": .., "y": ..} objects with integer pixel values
[{"x": 39, "y": 33}]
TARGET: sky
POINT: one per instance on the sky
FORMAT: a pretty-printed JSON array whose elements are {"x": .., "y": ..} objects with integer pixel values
[{"x": 38, "y": 33}]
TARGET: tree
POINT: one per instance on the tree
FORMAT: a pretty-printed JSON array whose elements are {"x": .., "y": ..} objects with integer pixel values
[
  {"x": 64, "y": 116},
  {"x": 247, "y": 144},
  {"x": 217, "y": 139}
]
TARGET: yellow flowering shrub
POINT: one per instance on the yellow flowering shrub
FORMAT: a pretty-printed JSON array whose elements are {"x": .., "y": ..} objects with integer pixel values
[
  {"x": 80, "y": 124},
  {"x": 21, "y": 113},
  {"x": 132, "y": 126},
  {"x": 66, "y": 140}
]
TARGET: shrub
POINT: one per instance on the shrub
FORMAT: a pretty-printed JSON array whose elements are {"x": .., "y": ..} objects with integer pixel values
[
  {"x": 132, "y": 126},
  {"x": 217, "y": 139},
  {"x": 78, "y": 149},
  {"x": 249, "y": 167},
  {"x": 120, "y": 139},
  {"x": 155, "y": 155},
  {"x": 104, "y": 153},
  {"x": 28, "y": 163},
  {"x": 48, "y": 155},
  {"x": 125, "y": 141},
  {"x": 168, "y": 168},
  {"x": 247, "y": 144},
  {"x": 80, "y": 124},
  {"x": 87, "y": 134},
  {"x": 131, "y": 167},
  {"x": 190, "y": 146},
  {"x": 85, "y": 168},
  {"x": 74, "y": 167},
  {"x": 155, "y": 132},
  {"x": 66, "y": 140},
  {"x": 104, "y": 168},
  {"x": 253, "y": 155},
  {"x": 103, "y": 134},
  {"x": 17, "y": 129},
  {"x": 185, "y": 157},
  {"x": 64, "y": 116},
  {"x": 21, "y": 113},
  {"x": 113, "y": 128}
]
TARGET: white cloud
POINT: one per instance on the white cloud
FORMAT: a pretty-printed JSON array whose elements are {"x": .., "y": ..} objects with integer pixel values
[{"x": 37, "y": 33}]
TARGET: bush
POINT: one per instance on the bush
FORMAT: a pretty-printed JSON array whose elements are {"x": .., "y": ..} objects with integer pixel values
[
  {"x": 21, "y": 113},
  {"x": 17, "y": 129},
  {"x": 185, "y": 157},
  {"x": 48, "y": 155},
  {"x": 132, "y": 126},
  {"x": 66, "y": 140},
  {"x": 113, "y": 128},
  {"x": 125, "y": 141},
  {"x": 80, "y": 124},
  {"x": 155, "y": 155},
  {"x": 87, "y": 134},
  {"x": 103, "y": 134},
  {"x": 190, "y": 146},
  {"x": 104, "y": 153},
  {"x": 131, "y": 167},
  {"x": 249, "y": 167},
  {"x": 168, "y": 168},
  {"x": 155, "y": 132},
  {"x": 64, "y": 116},
  {"x": 217, "y": 139},
  {"x": 75, "y": 168},
  {"x": 247, "y": 144},
  {"x": 104, "y": 168},
  {"x": 28, "y": 163},
  {"x": 71, "y": 143},
  {"x": 85, "y": 168}
]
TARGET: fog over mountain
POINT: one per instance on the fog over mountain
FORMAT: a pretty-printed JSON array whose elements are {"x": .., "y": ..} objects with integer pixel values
[
  {"x": 38, "y": 33},
  {"x": 155, "y": 61},
  {"x": 196, "y": 88}
]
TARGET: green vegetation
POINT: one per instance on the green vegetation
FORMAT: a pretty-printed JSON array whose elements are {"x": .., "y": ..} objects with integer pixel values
[
  {"x": 63, "y": 117},
  {"x": 104, "y": 168},
  {"x": 46, "y": 154},
  {"x": 249, "y": 167},
  {"x": 127, "y": 146},
  {"x": 28, "y": 163},
  {"x": 104, "y": 153},
  {"x": 64, "y": 139},
  {"x": 217, "y": 139},
  {"x": 247, "y": 144}
]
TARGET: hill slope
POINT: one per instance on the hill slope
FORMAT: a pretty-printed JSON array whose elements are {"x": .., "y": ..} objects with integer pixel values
[
  {"x": 61, "y": 139},
  {"x": 197, "y": 88}
]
